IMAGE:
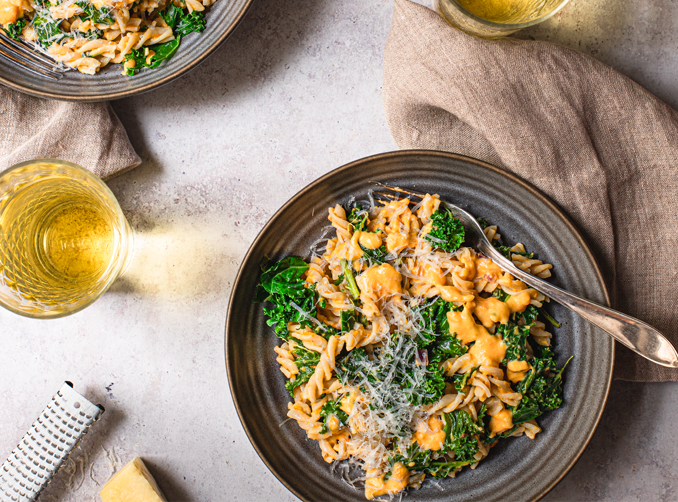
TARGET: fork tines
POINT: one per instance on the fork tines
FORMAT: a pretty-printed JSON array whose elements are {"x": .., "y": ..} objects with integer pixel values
[
  {"x": 28, "y": 58},
  {"x": 398, "y": 191}
]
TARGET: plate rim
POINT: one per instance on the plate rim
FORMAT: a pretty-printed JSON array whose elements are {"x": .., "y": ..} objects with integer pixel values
[
  {"x": 412, "y": 153},
  {"x": 144, "y": 88}
]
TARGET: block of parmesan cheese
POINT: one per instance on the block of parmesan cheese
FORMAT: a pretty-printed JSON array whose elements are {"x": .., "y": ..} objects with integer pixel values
[{"x": 132, "y": 483}]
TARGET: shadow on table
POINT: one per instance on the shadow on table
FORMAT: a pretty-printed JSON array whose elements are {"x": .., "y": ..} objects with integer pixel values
[
  {"x": 77, "y": 473},
  {"x": 167, "y": 483}
]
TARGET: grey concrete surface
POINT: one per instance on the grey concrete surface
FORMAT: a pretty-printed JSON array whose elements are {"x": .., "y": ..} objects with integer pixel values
[{"x": 295, "y": 92}]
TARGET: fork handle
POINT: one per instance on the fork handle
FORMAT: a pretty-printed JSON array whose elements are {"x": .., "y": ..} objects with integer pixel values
[{"x": 638, "y": 336}]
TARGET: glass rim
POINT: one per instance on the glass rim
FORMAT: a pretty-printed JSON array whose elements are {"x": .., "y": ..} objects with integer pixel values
[
  {"x": 507, "y": 26},
  {"x": 120, "y": 265}
]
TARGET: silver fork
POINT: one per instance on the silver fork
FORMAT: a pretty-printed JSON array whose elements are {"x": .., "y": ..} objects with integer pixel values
[
  {"x": 21, "y": 54},
  {"x": 635, "y": 334}
]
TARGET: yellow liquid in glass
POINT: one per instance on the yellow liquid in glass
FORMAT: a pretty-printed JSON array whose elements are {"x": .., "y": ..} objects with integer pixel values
[
  {"x": 77, "y": 242},
  {"x": 509, "y": 11},
  {"x": 57, "y": 240}
]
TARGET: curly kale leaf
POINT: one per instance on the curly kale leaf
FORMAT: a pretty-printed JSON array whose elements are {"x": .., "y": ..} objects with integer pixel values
[
  {"x": 447, "y": 232},
  {"x": 189, "y": 23},
  {"x": 283, "y": 278},
  {"x": 446, "y": 347},
  {"x": 306, "y": 361},
  {"x": 435, "y": 384},
  {"x": 375, "y": 255},
  {"x": 548, "y": 390},
  {"x": 418, "y": 460},
  {"x": 284, "y": 312},
  {"x": 183, "y": 22},
  {"x": 425, "y": 391},
  {"x": 330, "y": 409},
  {"x": 542, "y": 387},
  {"x": 47, "y": 29},
  {"x": 91, "y": 13},
  {"x": 506, "y": 251},
  {"x": 435, "y": 327},
  {"x": 141, "y": 59},
  {"x": 439, "y": 342},
  {"x": 515, "y": 339},
  {"x": 14, "y": 30},
  {"x": 530, "y": 314},
  {"x": 171, "y": 15},
  {"x": 462, "y": 435},
  {"x": 483, "y": 223},
  {"x": 394, "y": 366},
  {"x": 354, "y": 367},
  {"x": 358, "y": 218},
  {"x": 282, "y": 285},
  {"x": 501, "y": 294},
  {"x": 434, "y": 320},
  {"x": 460, "y": 381},
  {"x": 348, "y": 319},
  {"x": 414, "y": 458}
]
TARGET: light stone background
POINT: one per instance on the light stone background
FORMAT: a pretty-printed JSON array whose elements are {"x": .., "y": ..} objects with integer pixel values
[{"x": 294, "y": 93}]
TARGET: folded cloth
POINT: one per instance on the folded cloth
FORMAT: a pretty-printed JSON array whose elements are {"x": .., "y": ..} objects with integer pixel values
[
  {"x": 87, "y": 134},
  {"x": 594, "y": 141}
]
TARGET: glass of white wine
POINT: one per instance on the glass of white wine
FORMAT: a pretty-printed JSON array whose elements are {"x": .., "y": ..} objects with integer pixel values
[
  {"x": 63, "y": 238},
  {"x": 497, "y": 18}
]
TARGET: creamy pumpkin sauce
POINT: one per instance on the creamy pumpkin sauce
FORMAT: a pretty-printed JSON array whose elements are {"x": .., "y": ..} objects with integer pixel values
[
  {"x": 469, "y": 271},
  {"x": 399, "y": 224},
  {"x": 488, "y": 349},
  {"x": 349, "y": 250},
  {"x": 430, "y": 435},
  {"x": 434, "y": 275},
  {"x": 491, "y": 310},
  {"x": 501, "y": 422},
  {"x": 488, "y": 270},
  {"x": 520, "y": 301},
  {"x": 347, "y": 402},
  {"x": 369, "y": 240},
  {"x": 453, "y": 294},
  {"x": 517, "y": 370},
  {"x": 379, "y": 281},
  {"x": 9, "y": 12},
  {"x": 334, "y": 423},
  {"x": 376, "y": 486}
]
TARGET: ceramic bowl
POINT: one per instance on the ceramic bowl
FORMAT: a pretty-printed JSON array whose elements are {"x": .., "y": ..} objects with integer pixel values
[
  {"x": 222, "y": 18},
  {"x": 516, "y": 469}
]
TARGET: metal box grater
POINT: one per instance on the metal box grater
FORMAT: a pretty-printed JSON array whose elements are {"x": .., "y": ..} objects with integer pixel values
[{"x": 47, "y": 445}]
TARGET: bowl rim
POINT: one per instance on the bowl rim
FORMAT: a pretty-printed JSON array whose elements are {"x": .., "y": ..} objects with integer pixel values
[
  {"x": 385, "y": 156},
  {"x": 144, "y": 88}
]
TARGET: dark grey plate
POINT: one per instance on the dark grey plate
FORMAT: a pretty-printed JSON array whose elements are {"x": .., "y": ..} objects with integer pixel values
[
  {"x": 517, "y": 469},
  {"x": 222, "y": 18}
]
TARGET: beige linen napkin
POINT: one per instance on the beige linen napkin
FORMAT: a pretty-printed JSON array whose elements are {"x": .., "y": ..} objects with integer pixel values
[
  {"x": 594, "y": 141},
  {"x": 87, "y": 134}
]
